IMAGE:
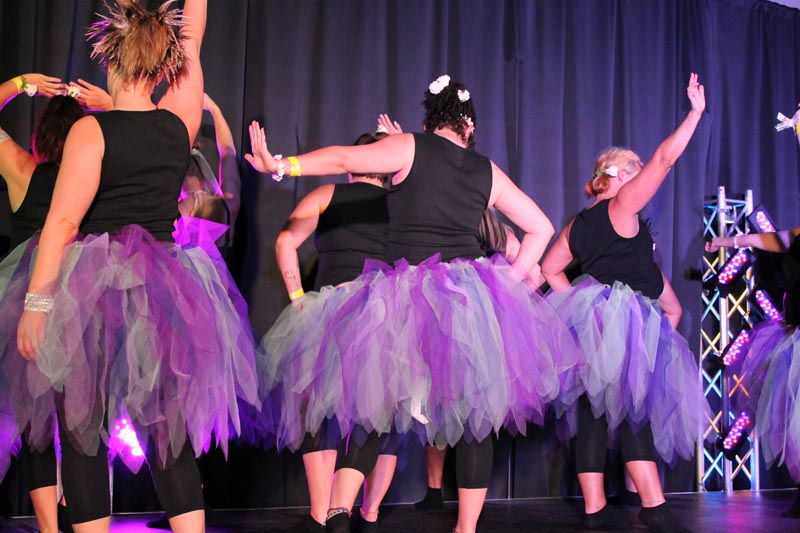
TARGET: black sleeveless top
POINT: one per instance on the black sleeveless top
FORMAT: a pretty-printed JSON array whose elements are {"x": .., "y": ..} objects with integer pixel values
[
  {"x": 351, "y": 229},
  {"x": 32, "y": 212},
  {"x": 791, "y": 268},
  {"x": 438, "y": 207},
  {"x": 145, "y": 160},
  {"x": 607, "y": 257}
]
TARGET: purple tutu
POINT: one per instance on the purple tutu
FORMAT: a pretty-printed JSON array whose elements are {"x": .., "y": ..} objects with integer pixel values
[
  {"x": 635, "y": 366},
  {"x": 140, "y": 328},
  {"x": 443, "y": 349},
  {"x": 771, "y": 373}
]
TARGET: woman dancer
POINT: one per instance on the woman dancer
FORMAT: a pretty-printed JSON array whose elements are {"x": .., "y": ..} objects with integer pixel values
[
  {"x": 106, "y": 318},
  {"x": 772, "y": 365},
  {"x": 429, "y": 345},
  {"x": 639, "y": 376},
  {"x": 349, "y": 223},
  {"x": 30, "y": 179}
]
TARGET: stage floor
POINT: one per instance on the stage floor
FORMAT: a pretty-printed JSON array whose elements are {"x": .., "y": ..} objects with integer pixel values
[{"x": 704, "y": 513}]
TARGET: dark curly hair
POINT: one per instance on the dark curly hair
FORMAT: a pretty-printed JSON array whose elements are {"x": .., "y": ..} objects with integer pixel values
[
  {"x": 52, "y": 128},
  {"x": 369, "y": 138},
  {"x": 446, "y": 110}
]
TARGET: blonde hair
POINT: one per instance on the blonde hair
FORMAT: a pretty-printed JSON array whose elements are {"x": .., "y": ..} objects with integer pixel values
[
  {"x": 140, "y": 45},
  {"x": 601, "y": 181}
]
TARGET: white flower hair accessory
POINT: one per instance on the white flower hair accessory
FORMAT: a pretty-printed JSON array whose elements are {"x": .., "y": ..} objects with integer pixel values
[
  {"x": 467, "y": 119},
  {"x": 73, "y": 91},
  {"x": 612, "y": 171},
  {"x": 439, "y": 83},
  {"x": 463, "y": 95},
  {"x": 786, "y": 122},
  {"x": 381, "y": 129}
]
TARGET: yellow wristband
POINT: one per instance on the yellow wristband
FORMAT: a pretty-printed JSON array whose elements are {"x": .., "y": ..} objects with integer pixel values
[
  {"x": 797, "y": 128},
  {"x": 19, "y": 82},
  {"x": 296, "y": 294},
  {"x": 295, "y": 170}
]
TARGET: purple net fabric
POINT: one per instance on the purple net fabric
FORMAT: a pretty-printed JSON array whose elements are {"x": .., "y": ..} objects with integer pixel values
[
  {"x": 140, "y": 327},
  {"x": 635, "y": 365},
  {"x": 771, "y": 373},
  {"x": 441, "y": 349}
]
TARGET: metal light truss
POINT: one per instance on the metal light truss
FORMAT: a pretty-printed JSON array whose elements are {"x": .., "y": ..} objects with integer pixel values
[{"x": 724, "y": 315}]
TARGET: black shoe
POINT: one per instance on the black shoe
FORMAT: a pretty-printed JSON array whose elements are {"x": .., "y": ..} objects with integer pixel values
[
  {"x": 432, "y": 500},
  {"x": 339, "y": 523},
  {"x": 63, "y": 520},
  {"x": 794, "y": 510},
  {"x": 362, "y": 526},
  {"x": 659, "y": 518},
  {"x": 160, "y": 522},
  {"x": 607, "y": 519}
]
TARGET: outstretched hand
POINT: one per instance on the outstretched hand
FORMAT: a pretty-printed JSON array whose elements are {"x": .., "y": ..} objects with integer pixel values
[
  {"x": 46, "y": 85},
  {"x": 261, "y": 159},
  {"x": 391, "y": 127},
  {"x": 696, "y": 94}
]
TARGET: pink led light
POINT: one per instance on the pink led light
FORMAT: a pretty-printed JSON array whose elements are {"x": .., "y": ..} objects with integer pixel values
[
  {"x": 763, "y": 222},
  {"x": 125, "y": 433},
  {"x": 735, "y": 349},
  {"x": 767, "y": 306},
  {"x": 736, "y": 432},
  {"x": 733, "y": 267}
]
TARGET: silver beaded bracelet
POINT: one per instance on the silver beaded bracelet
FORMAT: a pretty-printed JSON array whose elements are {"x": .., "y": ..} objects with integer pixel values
[{"x": 39, "y": 303}]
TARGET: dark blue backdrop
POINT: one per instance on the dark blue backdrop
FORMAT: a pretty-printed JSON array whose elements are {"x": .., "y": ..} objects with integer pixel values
[{"x": 554, "y": 82}]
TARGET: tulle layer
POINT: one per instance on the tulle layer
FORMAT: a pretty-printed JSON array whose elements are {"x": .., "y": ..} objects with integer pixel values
[
  {"x": 771, "y": 373},
  {"x": 442, "y": 349},
  {"x": 635, "y": 366},
  {"x": 140, "y": 328}
]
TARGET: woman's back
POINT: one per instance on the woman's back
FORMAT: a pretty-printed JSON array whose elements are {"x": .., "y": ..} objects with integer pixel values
[
  {"x": 145, "y": 159},
  {"x": 439, "y": 205}
]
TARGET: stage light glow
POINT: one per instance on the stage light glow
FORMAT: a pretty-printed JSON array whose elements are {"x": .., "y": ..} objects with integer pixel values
[
  {"x": 123, "y": 430},
  {"x": 736, "y": 265},
  {"x": 734, "y": 350},
  {"x": 760, "y": 220},
  {"x": 737, "y": 431},
  {"x": 765, "y": 303}
]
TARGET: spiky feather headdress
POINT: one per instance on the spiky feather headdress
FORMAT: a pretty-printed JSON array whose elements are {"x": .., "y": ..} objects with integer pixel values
[{"x": 112, "y": 31}]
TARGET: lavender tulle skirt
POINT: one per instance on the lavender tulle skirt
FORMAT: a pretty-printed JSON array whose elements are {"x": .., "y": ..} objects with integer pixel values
[
  {"x": 446, "y": 350},
  {"x": 141, "y": 330},
  {"x": 635, "y": 366},
  {"x": 771, "y": 373}
]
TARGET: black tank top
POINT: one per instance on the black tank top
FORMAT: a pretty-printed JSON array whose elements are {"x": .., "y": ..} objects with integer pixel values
[
  {"x": 607, "y": 257},
  {"x": 145, "y": 160},
  {"x": 438, "y": 207},
  {"x": 31, "y": 214},
  {"x": 791, "y": 267},
  {"x": 351, "y": 229}
]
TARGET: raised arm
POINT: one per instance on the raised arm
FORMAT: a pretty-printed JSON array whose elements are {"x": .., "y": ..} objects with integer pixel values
[
  {"x": 228, "y": 163},
  {"x": 92, "y": 97},
  {"x": 185, "y": 96},
  {"x": 301, "y": 224},
  {"x": 778, "y": 241},
  {"x": 391, "y": 155},
  {"x": 76, "y": 186},
  {"x": 634, "y": 195},
  {"x": 523, "y": 212},
  {"x": 557, "y": 260},
  {"x": 16, "y": 163}
]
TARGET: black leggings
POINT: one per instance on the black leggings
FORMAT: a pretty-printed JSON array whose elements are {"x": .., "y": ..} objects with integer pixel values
[
  {"x": 592, "y": 442},
  {"x": 474, "y": 460},
  {"x": 39, "y": 468},
  {"x": 86, "y": 482}
]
